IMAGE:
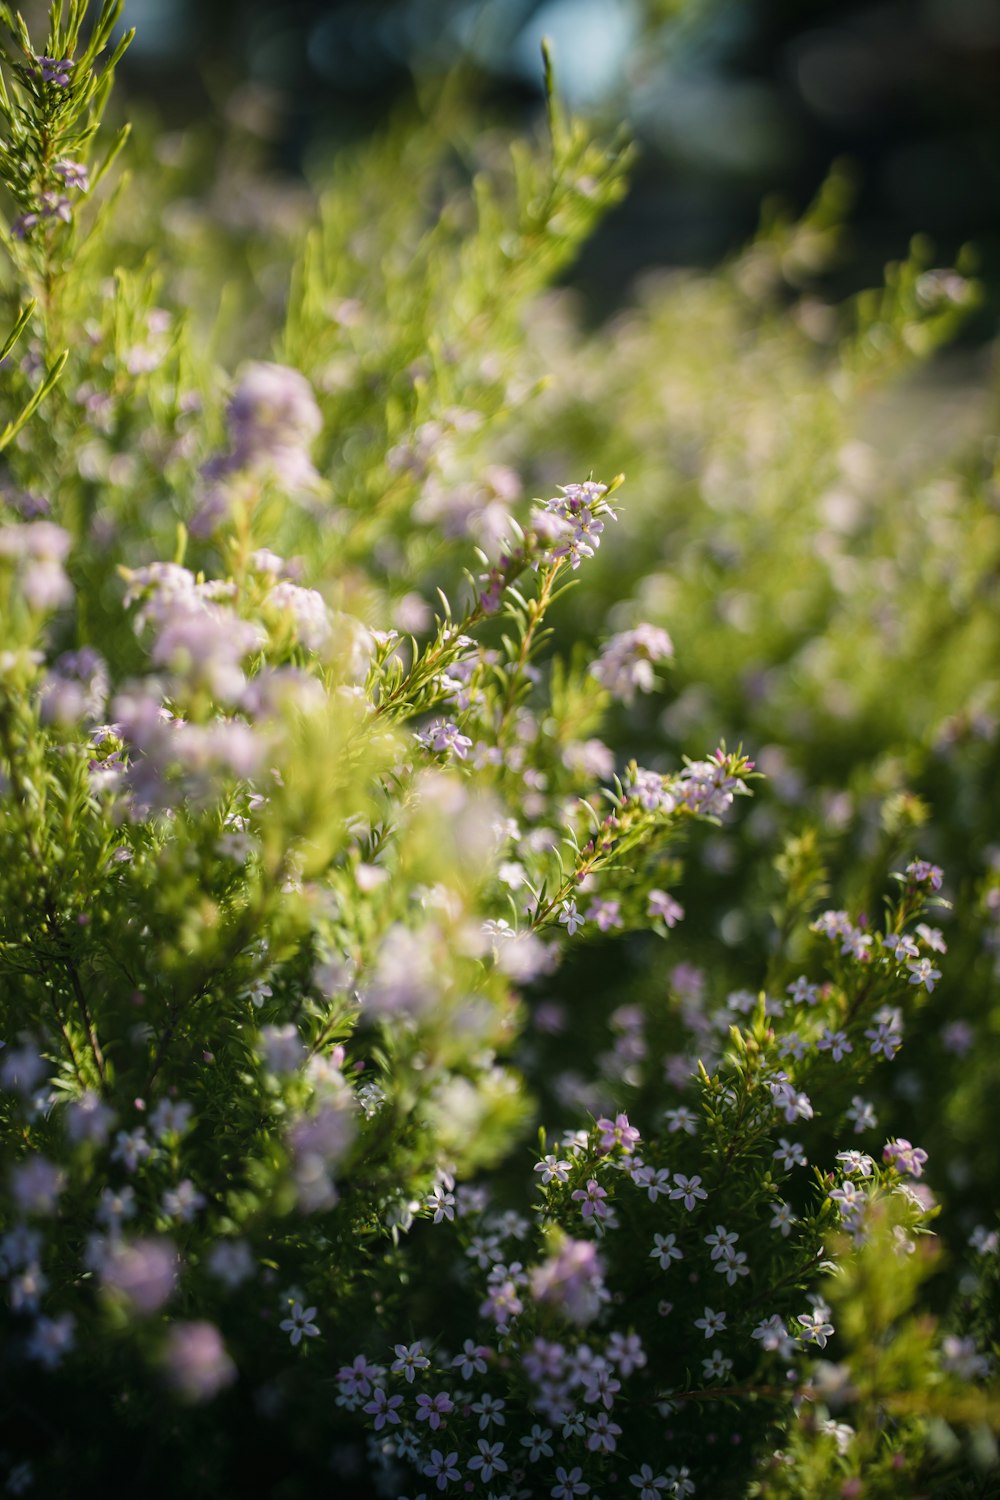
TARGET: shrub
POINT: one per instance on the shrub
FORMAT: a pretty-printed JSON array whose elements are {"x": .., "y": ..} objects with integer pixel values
[{"x": 319, "y": 901}]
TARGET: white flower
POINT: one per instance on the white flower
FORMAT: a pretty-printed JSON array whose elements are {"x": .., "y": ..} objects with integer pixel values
[
  {"x": 722, "y": 1242},
  {"x": 733, "y": 1266},
  {"x": 716, "y": 1366},
  {"x": 712, "y": 1323},
  {"x": 665, "y": 1250},
  {"x": 553, "y": 1170},
  {"x": 409, "y": 1360},
  {"x": 300, "y": 1324},
  {"x": 782, "y": 1219},
  {"x": 774, "y": 1336},
  {"x": 814, "y": 1328},
  {"x": 960, "y": 1357},
  {"x": 570, "y": 918},
  {"x": 789, "y": 1155},
  {"x": 841, "y": 1433},
  {"x": 537, "y": 1443},
  {"x": 651, "y": 1486}
]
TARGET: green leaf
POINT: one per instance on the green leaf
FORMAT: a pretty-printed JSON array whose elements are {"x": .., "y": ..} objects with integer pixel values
[
  {"x": 51, "y": 378},
  {"x": 18, "y": 329},
  {"x": 110, "y": 155}
]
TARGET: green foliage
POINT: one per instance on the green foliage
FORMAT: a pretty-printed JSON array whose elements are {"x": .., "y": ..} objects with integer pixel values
[{"x": 320, "y": 894}]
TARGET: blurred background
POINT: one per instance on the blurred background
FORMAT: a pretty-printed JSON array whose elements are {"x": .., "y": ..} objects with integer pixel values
[{"x": 732, "y": 101}]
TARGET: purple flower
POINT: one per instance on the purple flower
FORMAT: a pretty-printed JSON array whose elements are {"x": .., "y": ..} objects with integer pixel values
[
  {"x": 603, "y": 1433},
  {"x": 472, "y": 1360},
  {"x": 591, "y": 1200},
  {"x": 183, "y": 1202},
  {"x": 856, "y": 1161},
  {"x": 923, "y": 873},
  {"x": 384, "y": 1409},
  {"x": 900, "y": 945},
  {"x": 27, "y": 1290},
  {"x": 957, "y": 1037},
  {"x": 617, "y": 1132},
  {"x": 711, "y": 1323},
  {"x": 409, "y": 1359},
  {"x": 782, "y": 1219},
  {"x": 273, "y": 420},
  {"x": 626, "y": 1351},
  {"x": 607, "y": 914},
  {"x": 571, "y": 918},
  {"x": 74, "y": 174},
  {"x": 282, "y": 1049},
  {"x": 733, "y": 1266},
  {"x": 307, "y": 611},
  {"x": 649, "y": 1484},
  {"x": 89, "y": 1119},
  {"x": 144, "y": 1272},
  {"x": 922, "y": 971},
  {"x": 442, "y": 1468},
  {"x": 886, "y": 1036},
  {"x": 488, "y": 1460},
  {"x": 406, "y": 977},
  {"x": 204, "y": 647},
  {"x": 814, "y": 1329},
  {"x": 489, "y": 1410},
  {"x": 570, "y": 525},
  {"x": 688, "y": 1189},
  {"x": 75, "y": 689},
  {"x": 774, "y": 1337},
  {"x": 848, "y": 1198},
  {"x": 904, "y": 1157},
  {"x": 569, "y": 1484},
  {"x": 36, "y": 1185},
  {"x": 831, "y": 924},
  {"x": 231, "y": 1261},
  {"x": 589, "y": 758},
  {"x": 537, "y": 1443},
  {"x": 625, "y": 665},
  {"x": 196, "y": 1361},
  {"x": 433, "y": 1409},
  {"x": 655, "y": 1181},
  {"x": 55, "y": 70},
  {"x": 722, "y": 1241},
  {"x": 50, "y": 1339},
  {"x": 795, "y": 1106},
  {"x": 22, "y": 1068},
  {"x": 444, "y": 737},
  {"x": 857, "y": 944},
  {"x": 572, "y": 1280},
  {"x": 502, "y": 1303},
  {"x": 653, "y": 792},
  {"x": 662, "y": 905},
  {"x": 665, "y": 1250},
  {"x": 959, "y": 1357},
  {"x": 834, "y": 1042},
  {"x": 789, "y": 1154},
  {"x": 39, "y": 549},
  {"x": 707, "y": 788},
  {"x": 55, "y": 206},
  {"x": 130, "y": 1148},
  {"x": 932, "y": 936},
  {"x": 861, "y": 1114}
]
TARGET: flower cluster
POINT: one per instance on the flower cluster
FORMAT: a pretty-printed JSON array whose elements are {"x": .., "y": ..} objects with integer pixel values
[{"x": 625, "y": 665}]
